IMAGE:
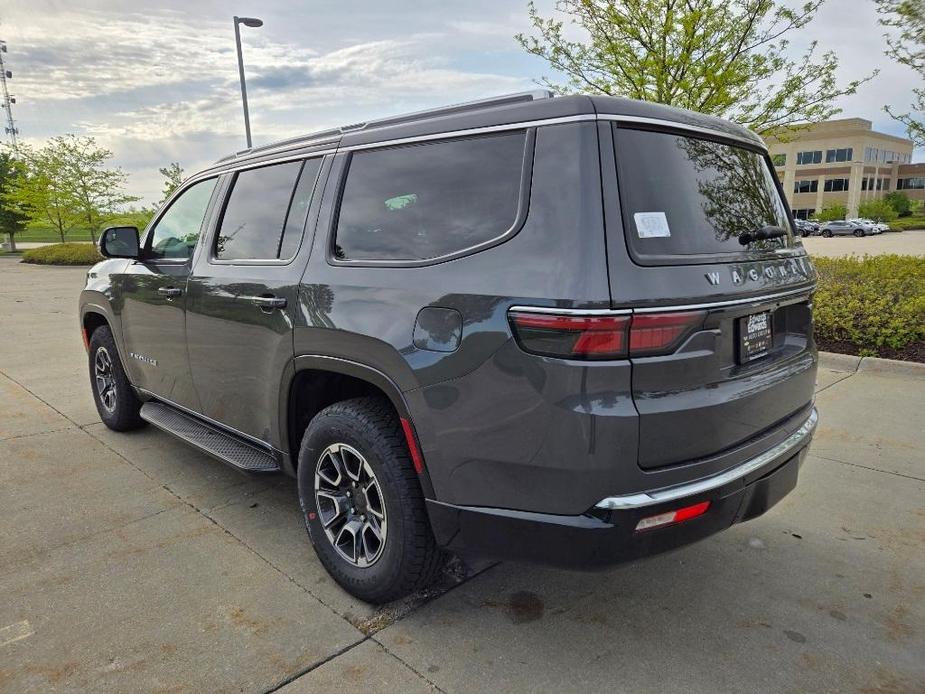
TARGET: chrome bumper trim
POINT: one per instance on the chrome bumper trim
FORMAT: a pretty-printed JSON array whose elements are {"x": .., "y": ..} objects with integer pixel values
[{"x": 795, "y": 440}]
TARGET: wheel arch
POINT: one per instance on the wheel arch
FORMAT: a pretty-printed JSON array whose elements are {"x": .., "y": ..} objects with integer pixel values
[{"x": 316, "y": 381}]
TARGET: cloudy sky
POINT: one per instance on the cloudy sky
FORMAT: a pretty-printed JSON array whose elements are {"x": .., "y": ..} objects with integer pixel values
[{"x": 157, "y": 81}]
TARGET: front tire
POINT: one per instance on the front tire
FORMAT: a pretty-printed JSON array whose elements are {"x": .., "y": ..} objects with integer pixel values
[
  {"x": 362, "y": 502},
  {"x": 827, "y": 233},
  {"x": 116, "y": 402}
]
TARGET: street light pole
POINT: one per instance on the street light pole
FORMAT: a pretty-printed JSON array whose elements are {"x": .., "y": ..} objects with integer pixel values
[{"x": 250, "y": 22}]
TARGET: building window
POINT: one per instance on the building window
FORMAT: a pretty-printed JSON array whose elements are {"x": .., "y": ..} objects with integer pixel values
[
  {"x": 838, "y": 154},
  {"x": 914, "y": 183},
  {"x": 779, "y": 159},
  {"x": 836, "y": 185},
  {"x": 806, "y": 186},
  {"x": 875, "y": 183},
  {"x": 809, "y": 157},
  {"x": 804, "y": 212}
]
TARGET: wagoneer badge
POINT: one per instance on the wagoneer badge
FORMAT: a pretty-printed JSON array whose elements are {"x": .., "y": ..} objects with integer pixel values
[{"x": 742, "y": 273}]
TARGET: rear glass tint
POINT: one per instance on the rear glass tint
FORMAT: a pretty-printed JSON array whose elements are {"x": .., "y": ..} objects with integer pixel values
[
  {"x": 684, "y": 197},
  {"x": 429, "y": 200}
]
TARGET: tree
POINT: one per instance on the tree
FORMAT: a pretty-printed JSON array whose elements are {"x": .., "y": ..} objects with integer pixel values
[
  {"x": 41, "y": 193},
  {"x": 899, "y": 202},
  {"x": 722, "y": 57},
  {"x": 173, "y": 177},
  {"x": 877, "y": 210},
  {"x": 831, "y": 213},
  {"x": 12, "y": 218},
  {"x": 908, "y": 48},
  {"x": 95, "y": 190},
  {"x": 133, "y": 216}
]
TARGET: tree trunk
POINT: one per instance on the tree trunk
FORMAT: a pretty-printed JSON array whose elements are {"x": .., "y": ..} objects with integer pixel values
[
  {"x": 61, "y": 233},
  {"x": 12, "y": 242}
]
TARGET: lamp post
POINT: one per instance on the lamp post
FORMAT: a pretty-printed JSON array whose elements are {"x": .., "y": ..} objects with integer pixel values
[{"x": 252, "y": 22}]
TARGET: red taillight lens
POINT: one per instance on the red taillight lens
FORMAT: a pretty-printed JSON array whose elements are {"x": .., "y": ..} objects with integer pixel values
[
  {"x": 656, "y": 333},
  {"x": 602, "y": 337},
  {"x": 671, "y": 517},
  {"x": 574, "y": 337}
]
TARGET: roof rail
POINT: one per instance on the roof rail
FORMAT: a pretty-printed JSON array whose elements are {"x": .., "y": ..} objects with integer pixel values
[
  {"x": 502, "y": 100},
  {"x": 335, "y": 133}
]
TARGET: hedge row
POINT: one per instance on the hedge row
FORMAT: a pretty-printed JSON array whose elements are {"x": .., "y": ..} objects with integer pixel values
[
  {"x": 63, "y": 254},
  {"x": 872, "y": 306}
]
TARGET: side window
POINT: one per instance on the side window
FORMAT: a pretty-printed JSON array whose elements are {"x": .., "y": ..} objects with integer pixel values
[
  {"x": 175, "y": 234},
  {"x": 255, "y": 215},
  {"x": 422, "y": 201},
  {"x": 298, "y": 210}
]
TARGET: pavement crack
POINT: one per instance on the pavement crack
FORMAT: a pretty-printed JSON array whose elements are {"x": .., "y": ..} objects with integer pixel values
[
  {"x": 843, "y": 378},
  {"x": 315, "y": 666},
  {"x": 867, "y": 467},
  {"x": 404, "y": 662}
]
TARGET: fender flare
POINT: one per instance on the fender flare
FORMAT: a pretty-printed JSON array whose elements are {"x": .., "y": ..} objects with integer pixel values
[{"x": 347, "y": 367}]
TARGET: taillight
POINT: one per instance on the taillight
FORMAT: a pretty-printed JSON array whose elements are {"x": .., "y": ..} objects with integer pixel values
[
  {"x": 602, "y": 336},
  {"x": 671, "y": 517},
  {"x": 661, "y": 333},
  {"x": 574, "y": 337}
]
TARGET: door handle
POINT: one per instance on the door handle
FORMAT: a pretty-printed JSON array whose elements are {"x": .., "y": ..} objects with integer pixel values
[
  {"x": 268, "y": 303},
  {"x": 169, "y": 291}
]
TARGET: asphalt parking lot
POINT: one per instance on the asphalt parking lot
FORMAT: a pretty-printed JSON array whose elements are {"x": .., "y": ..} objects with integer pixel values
[
  {"x": 904, "y": 243},
  {"x": 129, "y": 562}
]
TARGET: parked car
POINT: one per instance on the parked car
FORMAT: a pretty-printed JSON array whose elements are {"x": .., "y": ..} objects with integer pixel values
[
  {"x": 870, "y": 226},
  {"x": 806, "y": 228},
  {"x": 879, "y": 227},
  {"x": 843, "y": 227},
  {"x": 548, "y": 329}
]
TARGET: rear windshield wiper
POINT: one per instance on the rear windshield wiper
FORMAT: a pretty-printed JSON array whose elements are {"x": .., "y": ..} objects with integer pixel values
[{"x": 762, "y": 234}]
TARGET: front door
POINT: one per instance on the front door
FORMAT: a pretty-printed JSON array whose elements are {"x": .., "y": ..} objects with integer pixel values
[
  {"x": 242, "y": 296},
  {"x": 152, "y": 292}
]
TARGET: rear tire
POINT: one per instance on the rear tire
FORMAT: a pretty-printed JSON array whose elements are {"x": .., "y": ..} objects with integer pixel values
[
  {"x": 358, "y": 445},
  {"x": 859, "y": 233},
  {"x": 115, "y": 399}
]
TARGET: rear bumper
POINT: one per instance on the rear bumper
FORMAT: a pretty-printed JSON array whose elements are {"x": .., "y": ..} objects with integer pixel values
[{"x": 606, "y": 534}]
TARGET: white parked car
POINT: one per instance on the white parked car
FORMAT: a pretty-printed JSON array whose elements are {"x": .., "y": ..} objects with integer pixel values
[{"x": 870, "y": 226}]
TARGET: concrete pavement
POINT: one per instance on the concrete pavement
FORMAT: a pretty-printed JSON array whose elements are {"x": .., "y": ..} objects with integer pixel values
[{"x": 131, "y": 562}]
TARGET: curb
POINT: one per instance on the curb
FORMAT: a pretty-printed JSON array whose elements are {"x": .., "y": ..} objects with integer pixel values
[{"x": 871, "y": 365}]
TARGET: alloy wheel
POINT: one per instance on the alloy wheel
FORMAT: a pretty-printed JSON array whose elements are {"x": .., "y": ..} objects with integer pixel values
[
  {"x": 105, "y": 380},
  {"x": 350, "y": 504}
]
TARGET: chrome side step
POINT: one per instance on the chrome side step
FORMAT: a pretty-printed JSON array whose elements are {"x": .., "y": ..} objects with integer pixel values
[{"x": 209, "y": 439}]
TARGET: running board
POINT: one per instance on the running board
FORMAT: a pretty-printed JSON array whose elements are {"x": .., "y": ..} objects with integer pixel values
[{"x": 209, "y": 439}]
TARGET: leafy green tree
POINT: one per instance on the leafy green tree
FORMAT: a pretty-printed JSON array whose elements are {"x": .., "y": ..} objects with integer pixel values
[
  {"x": 831, "y": 213},
  {"x": 173, "y": 177},
  {"x": 42, "y": 193},
  {"x": 907, "y": 17},
  {"x": 133, "y": 216},
  {"x": 877, "y": 210},
  {"x": 96, "y": 189},
  {"x": 900, "y": 202},
  {"x": 722, "y": 57},
  {"x": 12, "y": 218}
]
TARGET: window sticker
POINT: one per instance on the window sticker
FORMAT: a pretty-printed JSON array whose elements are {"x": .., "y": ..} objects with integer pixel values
[
  {"x": 401, "y": 201},
  {"x": 650, "y": 225}
]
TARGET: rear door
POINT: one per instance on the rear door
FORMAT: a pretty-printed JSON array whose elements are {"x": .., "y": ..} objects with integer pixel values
[
  {"x": 721, "y": 339},
  {"x": 242, "y": 295}
]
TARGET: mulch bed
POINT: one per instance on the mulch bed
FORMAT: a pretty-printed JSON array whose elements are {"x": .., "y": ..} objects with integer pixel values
[{"x": 913, "y": 352}]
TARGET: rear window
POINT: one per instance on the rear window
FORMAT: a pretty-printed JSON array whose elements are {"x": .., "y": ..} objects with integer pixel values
[
  {"x": 424, "y": 201},
  {"x": 688, "y": 199}
]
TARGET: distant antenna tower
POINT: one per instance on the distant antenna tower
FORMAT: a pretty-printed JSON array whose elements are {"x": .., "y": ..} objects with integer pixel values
[{"x": 7, "y": 101}]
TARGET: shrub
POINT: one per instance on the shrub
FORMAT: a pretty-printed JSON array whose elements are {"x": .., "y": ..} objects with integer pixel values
[
  {"x": 908, "y": 223},
  {"x": 63, "y": 254},
  {"x": 831, "y": 213},
  {"x": 877, "y": 210},
  {"x": 899, "y": 202},
  {"x": 876, "y": 303}
]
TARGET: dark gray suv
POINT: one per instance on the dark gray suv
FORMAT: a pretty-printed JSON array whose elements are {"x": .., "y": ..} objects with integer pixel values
[{"x": 571, "y": 330}]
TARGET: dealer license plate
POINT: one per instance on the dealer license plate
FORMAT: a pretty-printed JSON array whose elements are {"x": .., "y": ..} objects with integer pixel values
[{"x": 755, "y": 336}]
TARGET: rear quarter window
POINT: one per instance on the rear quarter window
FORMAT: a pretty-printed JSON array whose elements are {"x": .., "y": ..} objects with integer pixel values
[
  {"x": 687, "y": 199},
  {"x": 430, "y": 200}
]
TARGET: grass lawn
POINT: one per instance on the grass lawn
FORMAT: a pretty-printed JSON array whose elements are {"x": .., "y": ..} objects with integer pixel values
[{"x": 51, "y": 236}]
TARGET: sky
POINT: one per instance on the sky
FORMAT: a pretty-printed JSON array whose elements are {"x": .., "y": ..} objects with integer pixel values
[{"x": 157, "y": 82}]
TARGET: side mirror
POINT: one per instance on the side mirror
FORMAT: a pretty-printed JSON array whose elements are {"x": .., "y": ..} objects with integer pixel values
[{"x": 119, "y": 242}]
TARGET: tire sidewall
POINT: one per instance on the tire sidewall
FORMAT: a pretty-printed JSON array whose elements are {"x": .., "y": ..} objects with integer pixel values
[
  {"x": 125, "y": 413},
  {"x": 321, "y": 433}
]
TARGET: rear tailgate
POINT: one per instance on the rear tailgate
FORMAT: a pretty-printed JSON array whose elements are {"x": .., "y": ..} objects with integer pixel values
[{"x": 746, "y": 367}]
